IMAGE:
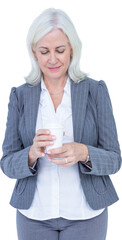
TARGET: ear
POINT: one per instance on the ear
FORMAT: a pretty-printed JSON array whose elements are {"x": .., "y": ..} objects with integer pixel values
[
  {"x": 71, "y": 52},
  {"x": 34, "y": 53}
]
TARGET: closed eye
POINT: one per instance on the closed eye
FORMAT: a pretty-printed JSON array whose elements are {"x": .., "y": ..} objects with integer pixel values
[
  {"x": 44, "y": 52},
  {"x": 60, "y": 51},
  {"x": 57, "y": 50}
]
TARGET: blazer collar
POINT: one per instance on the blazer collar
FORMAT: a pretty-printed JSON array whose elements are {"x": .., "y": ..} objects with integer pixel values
[
  {"x": 79, "y": 95},
  {"x": 31, "y": 103}
]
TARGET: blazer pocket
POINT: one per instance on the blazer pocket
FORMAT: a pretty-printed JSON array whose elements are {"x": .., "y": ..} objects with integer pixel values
[
  {"x": 20, "y": 186},
  {"x": 99, "y": 184}
]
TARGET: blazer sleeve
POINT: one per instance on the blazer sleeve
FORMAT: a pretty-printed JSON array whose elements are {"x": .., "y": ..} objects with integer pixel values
[
  {"x": 106, "y": 157},
  {"x": 14, "y": 162}
]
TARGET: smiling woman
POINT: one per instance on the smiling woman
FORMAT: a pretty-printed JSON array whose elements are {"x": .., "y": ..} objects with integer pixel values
[
  {"x": 53, "y": 53},
  {"x": 44, "y": 24},
  {"x": 62, "y": 193}
]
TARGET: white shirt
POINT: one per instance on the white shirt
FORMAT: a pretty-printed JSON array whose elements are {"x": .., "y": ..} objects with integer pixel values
[{"x": 59, "y": 191}]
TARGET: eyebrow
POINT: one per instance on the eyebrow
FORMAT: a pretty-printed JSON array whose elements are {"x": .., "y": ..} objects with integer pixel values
[
  {"x": 56, "y": 47},
  {"x": 60, "y": 46}
]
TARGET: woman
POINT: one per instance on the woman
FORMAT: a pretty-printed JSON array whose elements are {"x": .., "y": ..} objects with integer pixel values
[{"x": 64, "y": 193}]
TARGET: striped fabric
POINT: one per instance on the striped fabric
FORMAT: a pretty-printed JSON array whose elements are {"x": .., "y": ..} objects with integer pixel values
[{"x": 93, "y": 125}]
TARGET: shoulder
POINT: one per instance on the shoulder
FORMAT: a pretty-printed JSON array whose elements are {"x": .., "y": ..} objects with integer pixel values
[
  {"x": 98, "y": 89},
  {"x": 18, "y": 90},
  {"x": 91, "y": 83},
  {"x": 22, "y": 89},
  {"x": 19, "y": 95},
  {"x": 94, "y": 83},
  {"x": 94, "y": 87}
]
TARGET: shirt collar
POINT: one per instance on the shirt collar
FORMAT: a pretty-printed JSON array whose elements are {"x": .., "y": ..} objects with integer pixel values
[{"x": 66, "y": 88}]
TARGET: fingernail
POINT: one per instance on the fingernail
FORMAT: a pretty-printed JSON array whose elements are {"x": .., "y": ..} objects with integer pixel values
[
  {"x": 47, "y": 132},
  {"x": 53, "y": 137},
  {"x": 48, "y": 152}
]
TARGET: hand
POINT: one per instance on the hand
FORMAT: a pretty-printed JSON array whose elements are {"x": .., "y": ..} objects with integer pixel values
[
  {"x": 42, "y": 139},
  {"x": 69, "y": 154}
]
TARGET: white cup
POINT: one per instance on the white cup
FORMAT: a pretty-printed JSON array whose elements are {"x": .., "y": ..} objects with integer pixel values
[{"x": 56, "y": 130}]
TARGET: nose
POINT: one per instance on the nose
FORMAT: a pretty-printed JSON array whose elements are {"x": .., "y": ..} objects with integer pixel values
[{"x": 52, "y": 58}]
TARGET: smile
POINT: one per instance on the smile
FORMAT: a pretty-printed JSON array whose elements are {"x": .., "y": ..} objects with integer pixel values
[{"x": 53, "y": 69}]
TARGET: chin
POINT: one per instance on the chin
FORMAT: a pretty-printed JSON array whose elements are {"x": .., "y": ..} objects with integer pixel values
[{"x": 56, "y": 75}]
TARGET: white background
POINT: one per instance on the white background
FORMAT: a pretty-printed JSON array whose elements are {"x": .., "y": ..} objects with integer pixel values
[{"x": 99, "y": 24}]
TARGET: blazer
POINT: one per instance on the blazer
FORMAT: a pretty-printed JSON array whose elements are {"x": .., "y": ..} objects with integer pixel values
[{"x": 93, "y": 125}]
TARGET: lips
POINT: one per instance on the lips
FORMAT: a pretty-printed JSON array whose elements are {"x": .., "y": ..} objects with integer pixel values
[{"x": 53, "y": 69}]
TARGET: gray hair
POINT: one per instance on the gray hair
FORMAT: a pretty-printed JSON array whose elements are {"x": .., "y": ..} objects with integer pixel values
[{"x": 43, "y": 24}]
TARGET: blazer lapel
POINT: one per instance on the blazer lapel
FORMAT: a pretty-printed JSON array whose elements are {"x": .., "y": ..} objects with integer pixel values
[
  {"x": 31, "y": 103},
  {"x": 79, "y": 96}
]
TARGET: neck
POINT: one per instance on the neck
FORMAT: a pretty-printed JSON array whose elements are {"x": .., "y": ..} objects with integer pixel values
[
  {"x": 56, "y": 93},
  {"x": 55, "y": 86}
]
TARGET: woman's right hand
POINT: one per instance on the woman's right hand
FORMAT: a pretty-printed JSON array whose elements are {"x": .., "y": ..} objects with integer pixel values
[{"x": 42, "y": 139}]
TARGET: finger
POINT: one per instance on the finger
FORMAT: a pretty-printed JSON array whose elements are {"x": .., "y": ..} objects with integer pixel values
[
  {"x": 40, "y": 154},
  {"x": 44, "y": 144},
  {"x": 42, "y": 131},
  {"x": 65, "y": 165},
  {"x": 61, "y": 161},
  {"x": 62, "y": 155},
  {"x": 59, "y": 150},
  {"x": 45, "y": 137}
]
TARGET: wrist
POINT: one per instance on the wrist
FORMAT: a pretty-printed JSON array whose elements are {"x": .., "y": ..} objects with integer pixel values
[
  {"x": 86, "y": 161},
  {"x": 84, "y": 154},
  {"x": 31, "y": 158}
]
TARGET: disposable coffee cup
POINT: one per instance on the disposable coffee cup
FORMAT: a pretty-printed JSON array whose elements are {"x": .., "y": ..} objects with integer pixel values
[{"x": 56, "y": 130}]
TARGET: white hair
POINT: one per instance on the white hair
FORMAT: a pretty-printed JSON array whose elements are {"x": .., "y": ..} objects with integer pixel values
[{"x": 43, "y": 24}]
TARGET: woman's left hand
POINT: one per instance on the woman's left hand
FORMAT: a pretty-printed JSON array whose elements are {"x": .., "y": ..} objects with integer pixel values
[{"x": 69, "y": 154}]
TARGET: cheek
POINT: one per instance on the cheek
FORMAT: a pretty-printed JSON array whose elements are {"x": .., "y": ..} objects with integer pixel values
[
  {"x": 66, "y": 60},
  {"x": 41, "y": 62}
]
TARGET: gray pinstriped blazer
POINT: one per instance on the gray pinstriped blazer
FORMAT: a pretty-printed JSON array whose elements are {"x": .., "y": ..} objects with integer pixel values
[{"x": 93, "y": 125}]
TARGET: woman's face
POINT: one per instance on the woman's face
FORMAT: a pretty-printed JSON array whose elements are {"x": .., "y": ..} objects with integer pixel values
[{"x": 53, "y": 53}]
